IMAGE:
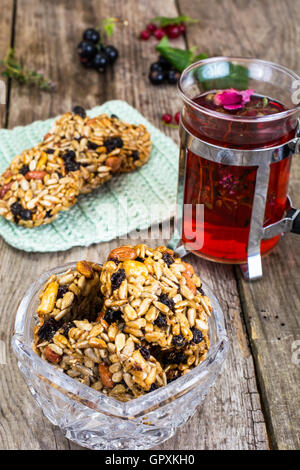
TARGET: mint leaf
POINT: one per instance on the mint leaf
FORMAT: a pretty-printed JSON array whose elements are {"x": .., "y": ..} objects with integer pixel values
[
  {"x": 166, "y": 21},
  {"x": 179, "y": 58}
]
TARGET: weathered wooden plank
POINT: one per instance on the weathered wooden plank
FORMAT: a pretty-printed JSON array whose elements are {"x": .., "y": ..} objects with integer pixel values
[
  {"x": 46, "y": 37},
  {"x": 269, "y": 30},
  {"x": 7, "y": 16}
]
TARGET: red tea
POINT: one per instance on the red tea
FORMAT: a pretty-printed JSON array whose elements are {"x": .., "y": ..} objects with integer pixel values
[{"x": 227, "y": 191}]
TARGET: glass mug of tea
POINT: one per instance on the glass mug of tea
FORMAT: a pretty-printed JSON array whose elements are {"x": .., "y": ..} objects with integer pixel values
[{"x": 238, "y": 131}]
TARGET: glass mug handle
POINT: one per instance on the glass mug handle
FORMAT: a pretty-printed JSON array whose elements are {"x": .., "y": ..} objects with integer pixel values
[{"x": 290, "y": 223}]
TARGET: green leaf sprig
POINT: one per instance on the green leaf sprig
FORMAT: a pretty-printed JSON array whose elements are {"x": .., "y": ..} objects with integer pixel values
[
  {"x": 13, "y": 69},
  {"x": 164, "y": 21},
  {"x": 108, "y": 25},
  {"x": 179, "y": 58}
]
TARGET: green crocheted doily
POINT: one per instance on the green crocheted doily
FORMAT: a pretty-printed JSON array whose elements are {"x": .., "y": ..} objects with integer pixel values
[{"x": 117, "y": 208}]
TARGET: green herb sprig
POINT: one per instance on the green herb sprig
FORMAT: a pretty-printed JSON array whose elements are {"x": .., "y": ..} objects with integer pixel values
[
  {"x": 164, "y": 21},
  {"x": 108, "y": 25},
  {"x": 179, "y": 58},
  {"x": 14, "y": 70}
]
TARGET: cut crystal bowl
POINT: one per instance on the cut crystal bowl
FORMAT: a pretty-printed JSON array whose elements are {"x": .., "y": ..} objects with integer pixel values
[{"x": 94, "y": 420}]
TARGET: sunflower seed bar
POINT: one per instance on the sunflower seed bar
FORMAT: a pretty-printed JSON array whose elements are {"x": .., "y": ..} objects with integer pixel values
[
  {"x": 76, "y": 156},
  {"x": 36, "y": 187},
  {"x": 149, "y": 326}
]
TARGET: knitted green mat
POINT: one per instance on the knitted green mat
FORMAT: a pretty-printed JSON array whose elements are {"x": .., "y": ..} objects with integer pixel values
[{"x": 129, "y": 201}]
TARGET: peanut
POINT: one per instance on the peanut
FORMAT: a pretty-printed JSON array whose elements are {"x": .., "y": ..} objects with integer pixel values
[
  {"x": 134, "y": 268},
  {"x": 188, "y": 269},
  {"x": 190, "y": 283},
  {"x": 85, "y": 268},
  {"x": 48, "y": 298},
  {"x": 97, "y": 343}
]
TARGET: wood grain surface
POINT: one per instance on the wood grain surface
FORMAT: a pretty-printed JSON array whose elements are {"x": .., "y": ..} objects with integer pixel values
[{"x": 255, "y": 401}]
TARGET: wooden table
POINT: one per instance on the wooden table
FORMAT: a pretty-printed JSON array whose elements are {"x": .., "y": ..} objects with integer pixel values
[{"x": 256, "y": 401}]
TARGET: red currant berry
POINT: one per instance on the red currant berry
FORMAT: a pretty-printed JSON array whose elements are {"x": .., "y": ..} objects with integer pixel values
[
  {"x": 173, "y": 31},
  {"x": 182, "y": 28},
  {"x": 167, "y": 118},
  {"x": 145, "y": 35},
  {"x": 151, "y": 27},
  {"x": 177, "y": 117},
  {"x": 159, "y": 33}
]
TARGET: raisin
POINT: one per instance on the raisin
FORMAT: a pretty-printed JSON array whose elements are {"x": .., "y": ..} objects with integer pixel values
[
  {"x": 112, "y": 316},
  {"x": 180, "y": 358},
  {"x": 71, "y": 166},
  {"x": 48, "y": 214},
  {"x": 70, "y": 163},
  {"x": 24, "y": 170},
  {"x": 48, "y": 329},
  {"x": 61, "y": 291},
  {"x": 166, "y": 300},
  {"x": 115, "y": 260},
  {"x": 140, "y": 260},
  {"x": 49, "y": 151},
  {"x": 92, "y": 145},
  {"x": 197, "y": 335},
  {"x": 153, "y": 387},
  {"x": 200, "y": 290},
  {"x": 18, "y": 211},
  {"x": 161, "y": 321},
  {"x": 168, "y": 259},
  {"x": 178, "y": 340},
  {"x": 135, "y": 155},
  {"x": 145, "y": 352},
  {"x": 66, "y": 328},
  {"x": 117, "y": 278},
  {"x": 80, "y": 111},
  {"x": 69, "y": 155},
  {"x": 112, "y": 143},
  {"x": 114, "y": 116}
]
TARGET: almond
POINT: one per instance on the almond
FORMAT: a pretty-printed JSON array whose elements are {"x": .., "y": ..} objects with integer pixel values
[
  {"x": 52, "y": 356},
  {"x": 4, "y": 189},
  {"x": 105, "y": 375},
  {"x": 35, "y": 175},
  {"x": 114, "y": 163},
  {"x": 122, "y": 253}
]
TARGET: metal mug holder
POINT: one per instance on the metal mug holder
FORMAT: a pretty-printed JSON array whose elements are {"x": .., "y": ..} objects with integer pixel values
[{"x": 260, "y": 158}]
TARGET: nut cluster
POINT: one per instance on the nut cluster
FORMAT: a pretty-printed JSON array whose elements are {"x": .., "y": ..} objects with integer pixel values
[
  {"x": 76, "y": 156},
  {"x": 129, "y": 327}
]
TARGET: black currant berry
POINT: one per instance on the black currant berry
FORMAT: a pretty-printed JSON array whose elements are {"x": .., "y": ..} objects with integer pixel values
[
  {"x": 156, "y": 77},
  {"x": 86, "y": 49},
  {"x": 156, "y": 66},
  {"x": 172, "y": 76},
  {"x": 164, "y": 63},
  {"x": 91, "y": 35},
  {"x": 111, "y": 53},
  {"x": 100, "y": 62}
]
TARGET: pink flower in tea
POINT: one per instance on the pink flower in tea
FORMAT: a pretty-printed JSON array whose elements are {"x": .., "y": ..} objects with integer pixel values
[{"x": 232, "y": 99}]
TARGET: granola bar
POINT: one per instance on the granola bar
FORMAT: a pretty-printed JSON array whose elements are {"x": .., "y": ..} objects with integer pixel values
[
  {"x": 147, "y": 323},
  {"x": 76, "y": 156},
  {"x": 36, "y": 187}
]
